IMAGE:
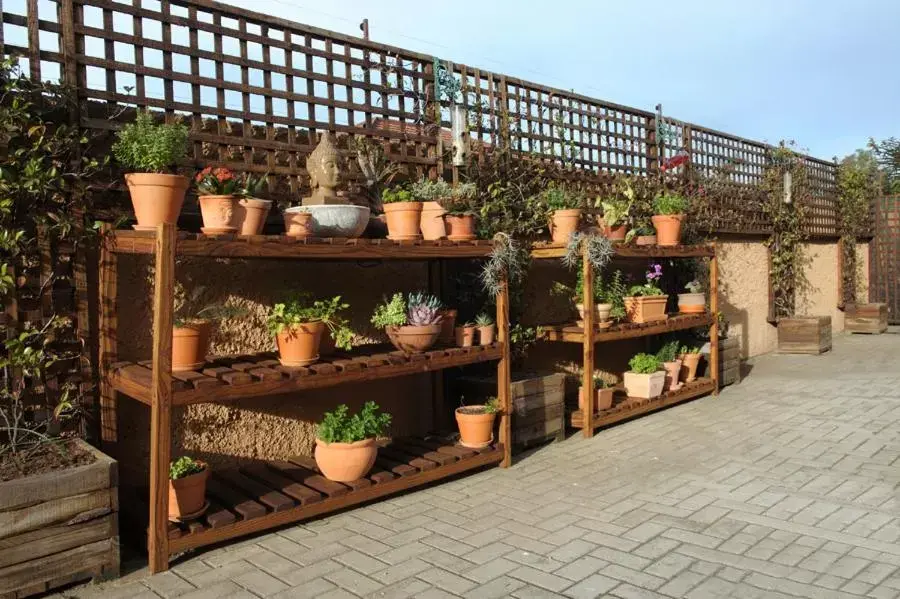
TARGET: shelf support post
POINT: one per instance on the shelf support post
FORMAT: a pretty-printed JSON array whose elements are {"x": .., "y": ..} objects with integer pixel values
[
  {"x": 108, "y": 350},
  {"x": 714, "y": 327},
  {"x": 504, "y": 373},
  {"x": 161, "y": 398},
  {"x": 587, "y": 370}
]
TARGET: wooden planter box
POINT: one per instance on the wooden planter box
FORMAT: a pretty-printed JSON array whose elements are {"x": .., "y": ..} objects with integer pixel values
[
  {"x": 538, "y": 404},
  {"x": 58, "y": 528},
  {"x": 804, "y": 335},
  {"x": 729, "y": 361},
  {"x": 866, "y": 318}
]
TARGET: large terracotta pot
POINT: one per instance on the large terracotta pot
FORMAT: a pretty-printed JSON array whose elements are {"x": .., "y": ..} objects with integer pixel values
[
  {"x": 190, "y": 343},
  {"x": 187, "y": 495},
  {"x": 486, "y": 334},
  {"x": 448, "y": 323},
  {"x": 691, "y": 303},
  {"x": 432, "y": 221},
  {"x": 603, "y": 399},
  {"x": 297, "y": 224},
  {"x": 564, "y": 223},
  {"x": 645, "y": 386},
  {"x": 414, "y": 340},
  {"x": 298, "y": 345},
  {"x": 673, "y": 373},
  {"x": 476, "y": 428},
  {"x": 616, "y": 233},
  {"x": 250, "y": 215},
  {"x": 403, "y": 220},
  {"x": 646, "y": 309},
  {"x": 218, "y": 214},
  {"x": 345, "y": 462},
  {"x": 460, "y": 228},
  {"x": 465, "y": 336},
  {"x": 156, "y": 198},
  {"x": 689, "y": 363},
  {"x": 668, "y": 228}
]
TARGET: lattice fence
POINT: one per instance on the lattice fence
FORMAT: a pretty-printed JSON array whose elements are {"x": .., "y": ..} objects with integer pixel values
[{"x": 884, "y": 263}]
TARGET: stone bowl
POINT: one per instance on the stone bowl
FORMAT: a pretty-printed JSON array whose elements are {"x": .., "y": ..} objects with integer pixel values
[{"x": 335, "y": 220}]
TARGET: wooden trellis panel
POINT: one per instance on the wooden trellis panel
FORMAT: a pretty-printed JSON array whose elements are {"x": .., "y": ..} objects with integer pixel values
[
  {"x": 822, "y": 218},
  {"x": 884, "y": 263}
]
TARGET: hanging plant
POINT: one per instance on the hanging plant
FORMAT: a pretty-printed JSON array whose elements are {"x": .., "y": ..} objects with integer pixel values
[
  {"x": 508, "y": 262},
  {"x": 599, "y": 250}
]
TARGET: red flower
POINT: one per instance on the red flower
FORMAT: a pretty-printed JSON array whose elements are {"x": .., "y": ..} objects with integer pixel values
[
  {"x": 202, "y": 174},
  {"x": 223, "y": 174}
]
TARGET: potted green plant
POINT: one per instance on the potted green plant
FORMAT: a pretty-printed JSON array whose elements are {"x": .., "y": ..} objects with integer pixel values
[
  {"x": 690, "y": 360},
  {"x": 461, "y": 207},
  {"x": 647, "y": 302},
  {"x": 565, "y": 209},
  {"x": 644, "y": 379},
  {"x": 669, "y": 356},
  {"x": 694, "y": 301},
  {"x": 465, "y": 334},
  {"x": 486, "y": 328},
  {"x": 668, "y": 213},
  {"x": 152, "y": 151},
  {"x": 299, "y": 324},
  {"x": 345, "y": 445},
  {"x": 215, "y": 189},
  {"x": 251, "y": 211},
  {"x": 403, "y": 213},
  {"x": 602, "y": 307},
  {"x": 617, "y": 207},
  {"x": 645, "y": 234},
  {"x": 413, "y": 323},
  {"x": 187, "y": 488},
  {"x": 476, "y": 423},
  {"x": 604, "y": 389},
  {"x": 192, "y": 327},
  {"x": 431, "y": 194}
]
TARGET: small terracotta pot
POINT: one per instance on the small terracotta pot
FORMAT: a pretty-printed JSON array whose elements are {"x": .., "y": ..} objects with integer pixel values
[
  {"x": 691, "y": 303},
  {"x": 486, "y": 334},
  {"x": 250, "y": 215},
  {"x": 190, "y": 343},
  {"x": 476, "y": 430},
  {"x": 645, "y": 386},
  {"x": 346, "y": 462},
  {"x": 616, "y": 233},
  {"x": 689, "y": 363},
  {"x": 156, "y": 198},
  {"x": 465, "y": 336},
  {"x": 448, "y": 323},
  {"x": 187, "y": 495},
  {"x": 646, "y": 308},
  {"x": 673, "y": 373},
  {"x": 297, "y": 224},
  {"x": 403, "y": 220},
  {"x": 414, "y": 340},
  {"x": 298, "y": 345},
  {"x": 218, "y": 214},
  {"x": 603, "y": 399},
  {"x": 668, "y": 228},
  {"x": 645, "y": 240},
  {"x": 460, "y": 228},
  {"x": 432, "y": 221},
  {"x": 564, "y": 223}
]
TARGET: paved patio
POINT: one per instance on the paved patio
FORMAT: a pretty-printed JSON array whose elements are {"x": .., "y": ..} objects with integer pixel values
[{"x": 783, "y": 486}]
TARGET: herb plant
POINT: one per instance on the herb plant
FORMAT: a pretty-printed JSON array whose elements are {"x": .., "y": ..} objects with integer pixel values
[
  {"x": 492, "y": 405},
  {"x": 339, "y": 427},
  {"x": 557, "y": 197},
  {"x": 301, "y": 310},
  {"x": 185, "y": 466},
  {"x": 390, "y": 313},
  {"x": 689, "y": 349},
  {"x": 462, "y": 201},
  {"x": 396, "y": 195},
  {"x": 644, "y": 364},
  {"x": 426, "y": 190},
  {"x": 668, "y": 204},
  {"x": 668, "y": 352},
  {"x": 145, "y": 147}
]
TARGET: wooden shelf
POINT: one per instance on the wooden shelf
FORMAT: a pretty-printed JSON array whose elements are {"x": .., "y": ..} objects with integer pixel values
[
  {"x": 633, "y": 406},
  {"x": 555, "y": 250},
  {"x": 258, "y": 375},
  {"x": 575, "y": 334},
  {"x": 312, "y": 248},
  {"x": 271, "y": 494}
]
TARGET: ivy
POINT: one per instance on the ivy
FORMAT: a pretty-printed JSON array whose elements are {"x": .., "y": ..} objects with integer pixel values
[{"x": 858, "y": 185}]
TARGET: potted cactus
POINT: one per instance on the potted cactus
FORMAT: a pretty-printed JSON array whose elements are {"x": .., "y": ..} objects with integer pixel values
[
  {"x": 668, "y": 213},
  {"x": 187, "y": 488},
  {"x": 690, "y": 360},
  {"x": 644, "y": 379},
  {"x": 476, "y": 424},
  {"x": 486, "y": 328},
  {"x": 465, "y": 334},
  {"x": 412, "y": 323},
  {"x": 461, "y": 207},
  {"x": 431, "y": 194},
  {"x": 345, "y": 445},
  {"x": 694, "y": 301},
  {"x": 669, "y": 356},
  {"x": 647, "y": 302},
  {"x": 299, "y": 325},
  {"x": 604, "y": 388},
  {"x": 403, "y": 213}
]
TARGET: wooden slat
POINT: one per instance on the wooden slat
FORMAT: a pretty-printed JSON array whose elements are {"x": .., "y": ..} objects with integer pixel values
[
  {"x": 310, "y": 464},
  {"x": 310, "y": 478},
  {"x": 397, "y": 468},
  {"x": 279, "y": 482},
  {"x": 246, "y": 508},
  {"x": 261, "y": 493},
  {"x": 675, "y": 322},
  {"x": 398, "y": 455},
  {"x": 414, "y": 450},
  {"x": 217, "y": 516},
  {"x": 635, "y": 406}
]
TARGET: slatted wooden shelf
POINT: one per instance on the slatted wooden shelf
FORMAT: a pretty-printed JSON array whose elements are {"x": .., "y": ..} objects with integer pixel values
[
  {"x": 634, "y": 406},
  {"x": 262, "y": 374},
  {"x": 628, "y": 330},
  {"x": 282, "y": 246},
  {"x": 275, "y": 493},
  {"x": 555, "y": 250}
]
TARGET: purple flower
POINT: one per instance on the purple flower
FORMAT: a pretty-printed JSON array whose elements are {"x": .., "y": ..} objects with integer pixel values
[{"x": 655, "y": 272}]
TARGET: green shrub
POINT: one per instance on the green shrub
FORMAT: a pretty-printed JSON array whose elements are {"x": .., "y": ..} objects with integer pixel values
[
  {"x": 395, "y": 195},
  {"x": 426, "y": 190},
  {"x": 339, "y": 427},
  {"x": 301, "y": 310},
  {"x": 669, "y": 204},
  {"x": 557, "y": 197},
  {"x": 185, "y": 466},
  {"x": 644, "y": 364},
  {"x": 390, "y": 313},
  {"x": 668, "y": 352},
  {"x": 491, "y": 406},
  {"x": 145, "y": 147}
]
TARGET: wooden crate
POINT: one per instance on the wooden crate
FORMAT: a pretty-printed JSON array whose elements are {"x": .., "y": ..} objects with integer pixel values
[
  {"x": 866, "y": 318},
  {"x": 729, "y": 361},
  {"x": 538, "y": 404},
  {"x": 804, "y": 335},
  {"x": 58, "y": 528}
]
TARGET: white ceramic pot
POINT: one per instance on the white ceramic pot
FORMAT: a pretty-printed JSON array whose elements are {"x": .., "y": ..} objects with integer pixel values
[
  {"x": 337, "y": 220},
  {"x": 691, "y": 302},
  {"x": 645, "y": 386}
]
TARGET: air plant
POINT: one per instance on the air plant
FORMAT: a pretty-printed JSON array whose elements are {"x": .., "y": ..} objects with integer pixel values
[
  {"x": 508, "y": 262},
  {"x": 599, "y": 250}
]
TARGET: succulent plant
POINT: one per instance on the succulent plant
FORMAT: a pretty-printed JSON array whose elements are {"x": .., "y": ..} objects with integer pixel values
[{"x": 422, "y": 309}]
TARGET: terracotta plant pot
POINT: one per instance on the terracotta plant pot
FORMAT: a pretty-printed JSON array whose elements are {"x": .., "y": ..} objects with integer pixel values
[
  {"x": 486, "y": 334},
  {"x": 644, "y": 386},
  {"x": 190, "y": 343},
  {"x": 668, "y": 228},
  {"x": 250, "y": 215},
  {"x": 403, "y": 220},
  {"x": 645, "y": 240},
  {"x": 646, "y": 308},
  {"x": 616, "y": 233},
  {"x": 414, "y": 340},
  {"x": 298, "y": 345},
  {"x": 603, "y": 399},
  {"x": 460, "y": 228},
  {"x": 673, "y": 373},
  {"x": 448, "y": 323},
  {"x": 346, "y": 462},
  {"x": 297, "y": 224},
  {"x": 432, "y": 221},
  {"x": 689, "y": 363},
  {"x": 564, "y": 223},
  {"x": 218, "y": 214},
  {"x": 476, "y": 428},
  {"x": 465, "y": 336},
  {"x": 156, "y": 198},
  {"x": 187, "y": 495},
  {"x": 691, "y": 303}
]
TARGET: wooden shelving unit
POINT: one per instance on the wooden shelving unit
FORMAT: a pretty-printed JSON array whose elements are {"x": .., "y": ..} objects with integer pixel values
[
  {"x": 571, "y": 333},
  {"x": 245, "y": 501}
]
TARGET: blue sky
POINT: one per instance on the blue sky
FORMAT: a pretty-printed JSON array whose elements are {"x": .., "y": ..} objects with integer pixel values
[{"x": 824, "y": 73}]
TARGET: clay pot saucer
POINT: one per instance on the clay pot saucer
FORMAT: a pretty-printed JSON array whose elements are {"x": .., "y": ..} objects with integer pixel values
[
  {"x": 462, "y": 237},
  {"x": 144, "y": 227},
  {"x": 476, "y": 445},
  {"x": 192, "y": 516},
  {"x": 299, "y": 363},
  {"x": 218, "y": 230}
]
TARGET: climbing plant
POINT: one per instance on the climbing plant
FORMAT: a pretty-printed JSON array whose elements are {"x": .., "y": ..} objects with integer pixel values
[{"x": 858, "y": 186}]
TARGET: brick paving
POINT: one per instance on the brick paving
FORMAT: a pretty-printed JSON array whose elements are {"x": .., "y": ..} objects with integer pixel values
[{"x": 783, "y": 486}]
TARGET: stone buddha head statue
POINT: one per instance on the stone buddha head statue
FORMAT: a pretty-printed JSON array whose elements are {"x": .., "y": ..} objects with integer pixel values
[{"x": 324, "y": 168}]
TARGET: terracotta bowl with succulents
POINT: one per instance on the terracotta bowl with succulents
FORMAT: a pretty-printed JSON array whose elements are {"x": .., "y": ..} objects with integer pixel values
[{"x": 412, "y": 323}]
